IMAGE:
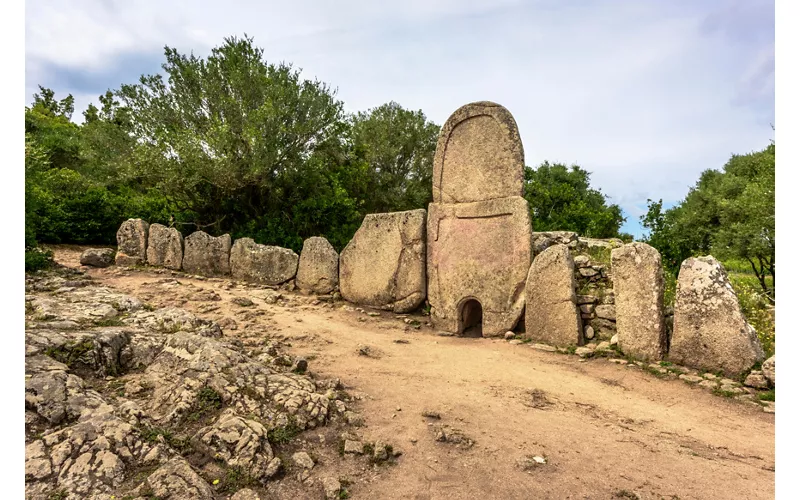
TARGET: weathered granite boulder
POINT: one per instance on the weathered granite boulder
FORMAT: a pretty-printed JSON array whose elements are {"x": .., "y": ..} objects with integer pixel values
[
  {"x": 478, "y": 156},
  {"x": 541, "y": 241},
  {"x": 710, "y": 331},
  {"x": 265, "y": 264},
  {"x": 165, "y": 247},
  {"x": 132, "y": 242},
  {"x": 551, "y": 313},
  {"x": 318, "y": 271},
  {"x": 98, "y": 257},
  {"x": 384, "y": 264},
  {"x": 768, "y": 369},
  {"x": 206, "y": 255},
  {"x": 639, "y": 301}
]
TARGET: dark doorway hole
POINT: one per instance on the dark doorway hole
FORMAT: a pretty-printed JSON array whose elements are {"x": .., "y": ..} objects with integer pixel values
[{"x": 471, "y": 319}]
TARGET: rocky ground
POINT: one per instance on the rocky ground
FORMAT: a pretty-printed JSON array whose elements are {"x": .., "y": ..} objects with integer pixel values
[{"x": 145, "y": 383}]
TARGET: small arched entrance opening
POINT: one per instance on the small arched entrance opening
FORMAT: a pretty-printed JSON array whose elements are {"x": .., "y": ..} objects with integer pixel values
[{"x": 470, "y": 319}]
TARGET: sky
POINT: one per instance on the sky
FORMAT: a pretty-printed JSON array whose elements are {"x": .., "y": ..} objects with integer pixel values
[{"x": 644, "y": 94}]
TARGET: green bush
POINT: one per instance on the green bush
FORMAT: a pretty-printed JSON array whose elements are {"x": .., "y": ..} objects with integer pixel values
[
  {"x": 37, "y": 258},
  {"x": 756, "y": 308}
]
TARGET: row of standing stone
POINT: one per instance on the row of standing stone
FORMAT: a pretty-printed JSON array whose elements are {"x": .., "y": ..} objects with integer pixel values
[
  {"x": 709, "y": 330},
  {"x": 316, "y": 270}
]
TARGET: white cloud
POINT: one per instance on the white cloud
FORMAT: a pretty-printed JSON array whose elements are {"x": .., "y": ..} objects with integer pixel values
[{"x": 644, "y": 94}]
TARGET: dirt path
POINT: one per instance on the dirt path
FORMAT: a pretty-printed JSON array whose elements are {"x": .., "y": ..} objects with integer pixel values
[{"x": 606, "y": 430}]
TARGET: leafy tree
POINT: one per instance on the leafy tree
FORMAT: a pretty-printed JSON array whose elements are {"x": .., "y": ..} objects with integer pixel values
[
  {"x": 561, "y": 199},
  {"x": 398, "y": 146},
  {"x": 730, "y": 213},
  {"x": 229, "y": 136}
]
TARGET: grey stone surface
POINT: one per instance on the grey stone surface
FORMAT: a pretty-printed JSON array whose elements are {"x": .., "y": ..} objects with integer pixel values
[
  {"x": 207, "y": 255},
  {"x": 265, "y": 264},
  {"x": 710, "y": 332},
  {"x": 383, "y": 266},
  {"x": 318, "y": 271}
]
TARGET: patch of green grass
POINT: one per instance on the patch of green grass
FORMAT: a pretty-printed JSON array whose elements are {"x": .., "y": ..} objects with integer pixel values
[
  {"x": 767, "y": 395},
  {"x": 60, "y": 494},
  {"x": 670, "y": 286},
  {"x": 206, "y": 402},
  {"x": 148, "y": 307},
  {"x": 234, "y": 479},
  {"x": 653, "y": 371},
  {"x": 284, "y": 434},
  {"x": 571, "y": 349},
  {"x": 108, "y": 322},
  {"x": 37, "y": 259},
  {"x": 756, "y": 307},
  {"x": 723, "y": 393},
  {"x": 600, "y": 255},
  {"x": 70, "y": 352},
  {"x": 181, "y": 444}
]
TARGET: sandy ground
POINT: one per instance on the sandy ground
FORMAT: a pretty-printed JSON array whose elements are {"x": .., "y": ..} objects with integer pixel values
[{"x": 606, "y": 430}]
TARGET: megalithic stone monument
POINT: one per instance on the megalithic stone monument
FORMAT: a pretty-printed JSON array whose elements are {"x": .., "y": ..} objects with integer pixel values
[{"x": 478, "y": 228}]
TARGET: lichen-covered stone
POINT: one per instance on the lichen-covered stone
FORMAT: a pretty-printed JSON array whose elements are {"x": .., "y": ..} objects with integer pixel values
[
  {"x": 768, "y": 369},
  {"x": 165, "y": 247},
  {"x": 265, "y": 264},
  {"x": 318, "y": 270},
  {"x": 479, "y": 155},
  {"x": 639, "y": 301},
  {"x": 551, "y": 314},
  {"x": 132, "y": 242},
  {"x": 206, "y": 255},
  {"x": 710, "y": 332},
  {"x": 97, "y": 257},
  {"x": 384, "y": 264}
]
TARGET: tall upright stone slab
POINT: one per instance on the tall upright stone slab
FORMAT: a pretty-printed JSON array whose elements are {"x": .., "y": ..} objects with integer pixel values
[
  {"x": 709, "y": 331},
  {"x": 383, "y": 266},
  {"x": 132, "y": 242},
  {"x": 639, "y": 298},
  {"x": 551, "y": 312},
  {"x": 318, "y": 271},
  {"x": 206, "y": 255},
  {"x": 165, "y": 247},
  {"x": 479, "y": 231}
]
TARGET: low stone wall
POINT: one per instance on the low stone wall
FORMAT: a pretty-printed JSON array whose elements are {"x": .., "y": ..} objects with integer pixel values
[
  {"x": 621, "y": 307},
  {"x": 140, "y": 243},
  {"x": 570, "y": 295}
]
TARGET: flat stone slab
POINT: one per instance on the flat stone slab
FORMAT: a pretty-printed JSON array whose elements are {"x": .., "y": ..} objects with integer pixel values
[
  {"x": 318, "y": 270},
  {"x": 266, "y": 264},
  {"x": 478, "y": 252},
  {"x": 207, "y": 255},
  {"x": 710, "y": 332},
  {"x": 479, "y": 155},
  {"x": 639, "y": 301},
  {"x": 383, "y": 266},
  {"x": 551, "y": 313},
  {"x": 132, "y": 242},
  {"x": 165, "y": 247}
]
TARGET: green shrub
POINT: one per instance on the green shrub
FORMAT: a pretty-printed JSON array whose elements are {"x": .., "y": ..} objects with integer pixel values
[
  {"x": 37, "y": 258},
  {"x": 756, "y": 307}
]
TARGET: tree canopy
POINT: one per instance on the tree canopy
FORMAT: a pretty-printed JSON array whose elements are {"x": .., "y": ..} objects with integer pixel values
[
  {"x": 728, "y": 213},
  {"x": 561, "y": 199}
]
